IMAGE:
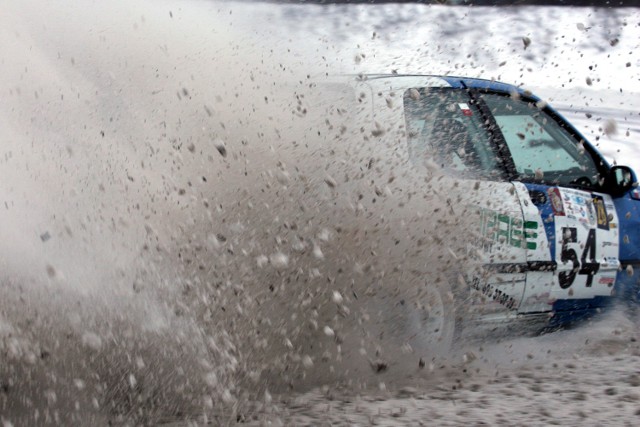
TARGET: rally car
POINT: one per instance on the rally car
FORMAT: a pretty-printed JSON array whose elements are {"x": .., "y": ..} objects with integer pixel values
[{"x": 558, "y": 226}]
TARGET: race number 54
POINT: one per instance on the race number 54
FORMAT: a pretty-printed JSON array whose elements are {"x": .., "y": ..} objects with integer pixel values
[{"x": 587, "y": 263}]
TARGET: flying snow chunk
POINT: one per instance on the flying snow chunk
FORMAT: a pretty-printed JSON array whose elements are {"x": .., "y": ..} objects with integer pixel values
[
  {"x": 132, "y": 381},
  {"x": 51, "y": 271},
  {"x": 610, "y": 127},
  {"x": 211, "y": 379},
  {"x": 331, "y": 183},
  {"x": 317, "y": 252},
  {"x": 324, "y": 235},
  {"x": 337, "y": 297},
  {"x": 227, "y": 397},
  {"x": 329, "y": 332},
  {"x": 279, "y": 260},
  {"x": 213, "y": 241},
  {"x": 283, "y": 177},
  {"x": 262, "y": 260},
  {"x": 306, "y": 361},
  {"x": 221, "y": 147},
  {"x": 91, "y": 340}
]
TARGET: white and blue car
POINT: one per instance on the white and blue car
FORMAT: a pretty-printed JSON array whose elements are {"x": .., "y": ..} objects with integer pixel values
[{"x": 559, "y": 231}]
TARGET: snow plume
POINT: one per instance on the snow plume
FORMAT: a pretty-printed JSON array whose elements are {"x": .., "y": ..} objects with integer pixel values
[
  {"x": 187, "y": 219},
  {"x": 109, "y": 123}
]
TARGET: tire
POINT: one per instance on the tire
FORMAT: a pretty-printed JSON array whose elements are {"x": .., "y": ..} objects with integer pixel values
[{"x": 431, "y": 320}]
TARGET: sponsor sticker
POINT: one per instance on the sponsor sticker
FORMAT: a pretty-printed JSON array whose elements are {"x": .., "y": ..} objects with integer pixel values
[
  {"x": 607, "y": 280},
  {"x": 601, "y": 212},
  {"x": 556, "y": 201},
  {"x": 465, "y": 109}
]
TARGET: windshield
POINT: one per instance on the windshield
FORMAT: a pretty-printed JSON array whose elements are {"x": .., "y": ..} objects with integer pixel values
[{"x": 541, "y": 149}]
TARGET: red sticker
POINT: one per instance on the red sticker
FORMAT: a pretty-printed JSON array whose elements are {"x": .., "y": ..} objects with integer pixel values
[
  {"x": 465, "y": 110},
  {"x": 556, "y": 201}
]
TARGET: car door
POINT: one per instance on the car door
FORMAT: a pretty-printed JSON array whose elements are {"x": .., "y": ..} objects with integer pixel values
[
  {"x": 446, "y": 131},
  {"x": 560, "y": 182}
]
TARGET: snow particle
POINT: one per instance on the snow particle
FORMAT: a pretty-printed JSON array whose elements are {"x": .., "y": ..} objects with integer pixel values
[
  {"x": 211, "y": 379},
  {"x": 324, "y": 235},
  {"x": 539, "y": 174},
  {"x": 610, "y": 127},
  {"x": 227, "y": 397},
  {"x": 51, "y": 271},
  {"x": 337, "y": 297},
  {"x": 262, "y": 260},
  {"x": 132, "y": 381},
  {"x": 306, "y": 361},
  {"x": 279, "y": 260},
  {"x": 331, "y": 183},
  {"x": 220, "y": 146},
  {"x": 91, "y": 340},
  {"x": 317, "y": 252}
]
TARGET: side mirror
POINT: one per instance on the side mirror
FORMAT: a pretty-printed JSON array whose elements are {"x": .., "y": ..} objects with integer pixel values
[{"x": 622, "y": 179}]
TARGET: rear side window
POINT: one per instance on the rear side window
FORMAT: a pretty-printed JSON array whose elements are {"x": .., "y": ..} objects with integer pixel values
[{"x": 445, "y": 128}]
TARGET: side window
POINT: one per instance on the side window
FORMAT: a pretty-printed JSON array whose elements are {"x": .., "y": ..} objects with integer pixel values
[
  {"x": 444, "y": 128},
  {"x": 541, "y": 149}
]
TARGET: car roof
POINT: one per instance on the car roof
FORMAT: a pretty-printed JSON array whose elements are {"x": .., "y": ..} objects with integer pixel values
[{"x": 406, "y": 81}]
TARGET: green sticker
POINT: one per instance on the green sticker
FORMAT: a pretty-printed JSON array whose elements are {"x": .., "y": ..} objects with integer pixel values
[{"x": 502, "y": 228}]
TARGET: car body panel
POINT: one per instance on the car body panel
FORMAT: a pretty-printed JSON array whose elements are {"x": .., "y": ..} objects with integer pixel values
[{"x": 628, "y": 210}]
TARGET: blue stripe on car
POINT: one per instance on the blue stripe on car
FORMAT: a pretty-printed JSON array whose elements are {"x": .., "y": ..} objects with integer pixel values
[{"x": 546, "y": 217}]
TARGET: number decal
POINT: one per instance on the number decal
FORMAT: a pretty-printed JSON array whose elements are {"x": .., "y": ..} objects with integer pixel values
[
  {"x": 589, "y": 268},
  {"x": 586, "y": 265},
  {"x": 566, "y": 278}
]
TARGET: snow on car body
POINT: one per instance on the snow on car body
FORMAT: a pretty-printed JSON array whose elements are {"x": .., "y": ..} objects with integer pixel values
[{"x": 558, "y": 228}]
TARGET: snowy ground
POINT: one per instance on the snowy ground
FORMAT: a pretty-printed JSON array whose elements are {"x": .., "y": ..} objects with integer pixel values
[
  {"x": 111, "y": 128},
  {"x": 587, "y": 376}
]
